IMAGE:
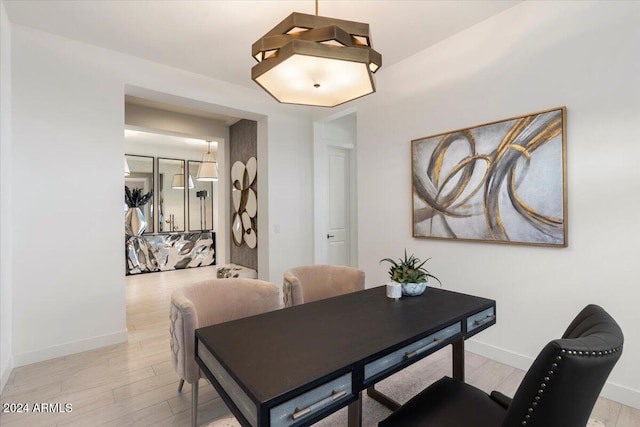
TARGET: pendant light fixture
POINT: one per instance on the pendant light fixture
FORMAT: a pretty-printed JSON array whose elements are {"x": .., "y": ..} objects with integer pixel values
[
  {"x": 178, "y": 180},
  {"x": 127, "y": 171},
  {"x": 314, "y": 60},
  {"x": 208, "y": 170}
]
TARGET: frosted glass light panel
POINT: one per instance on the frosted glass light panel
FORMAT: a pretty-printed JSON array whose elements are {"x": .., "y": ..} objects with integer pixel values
[
  {"x": 171, "y": 195},
  {"x": 202, "y": 201},
  {"x": 141, "y": 176}
]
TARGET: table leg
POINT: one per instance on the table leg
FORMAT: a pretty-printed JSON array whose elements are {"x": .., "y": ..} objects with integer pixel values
[
  {"x": 458, "y": 359},
  {"x": 383, "y": 398},
  {"x": 354, "y": 412}
]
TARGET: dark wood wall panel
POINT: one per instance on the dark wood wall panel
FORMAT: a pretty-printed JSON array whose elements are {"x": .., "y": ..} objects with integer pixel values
[{"x": 243, "y": 144}]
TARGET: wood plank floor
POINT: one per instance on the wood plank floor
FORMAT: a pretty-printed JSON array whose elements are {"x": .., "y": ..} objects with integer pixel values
[{"x": 133, "y": 383}]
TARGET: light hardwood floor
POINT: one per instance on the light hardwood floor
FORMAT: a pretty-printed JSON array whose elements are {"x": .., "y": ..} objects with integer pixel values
[{"x": 133, "y": 383}]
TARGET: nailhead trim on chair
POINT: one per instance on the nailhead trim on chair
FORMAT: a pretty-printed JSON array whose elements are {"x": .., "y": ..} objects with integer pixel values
[
  {"x": 287, "y": 295},
  {"x": 174, "y": 343},
  {"x": 554, "y": 367}
]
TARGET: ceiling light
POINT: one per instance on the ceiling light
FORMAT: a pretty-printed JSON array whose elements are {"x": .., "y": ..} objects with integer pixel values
[
  {"x": 208, "y": 170},
  {"x": 314, "y": 60}
]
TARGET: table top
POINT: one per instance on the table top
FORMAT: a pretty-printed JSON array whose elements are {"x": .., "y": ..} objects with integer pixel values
[{"x": 273, "y": 354}]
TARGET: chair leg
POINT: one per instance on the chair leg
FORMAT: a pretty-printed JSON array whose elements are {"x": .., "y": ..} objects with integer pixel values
[
  {"x": 194, "y": 404},
  {"x": 180, "y": 385}
]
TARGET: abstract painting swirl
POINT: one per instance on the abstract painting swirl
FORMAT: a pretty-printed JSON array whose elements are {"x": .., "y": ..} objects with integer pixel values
[{"x": 501, "y": 182}]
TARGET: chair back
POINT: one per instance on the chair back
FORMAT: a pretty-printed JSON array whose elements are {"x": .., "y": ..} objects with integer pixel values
[
  {"x": 563, "y": 384},
  {"x": 208, "y": 303},
  {"x": 316, "y": 282}
]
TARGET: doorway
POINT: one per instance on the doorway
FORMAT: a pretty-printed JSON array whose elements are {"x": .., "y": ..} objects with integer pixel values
[{"x": 335, "y": 218}]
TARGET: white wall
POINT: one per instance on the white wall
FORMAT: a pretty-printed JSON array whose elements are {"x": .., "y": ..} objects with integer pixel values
[
  {"x": 68, "y": 137},
  {"x": 177, "y": 123},
  {"x": 534, "y": 56},
  {"x": 158, "y": 145},
  {"x": 6, "y": 335},
  {"x": 68, "y": 117},
  {"x": 290, "y": 195}
]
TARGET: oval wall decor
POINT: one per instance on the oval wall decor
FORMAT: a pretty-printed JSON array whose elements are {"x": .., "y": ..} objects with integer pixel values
[{"x": 245, "y": 203}]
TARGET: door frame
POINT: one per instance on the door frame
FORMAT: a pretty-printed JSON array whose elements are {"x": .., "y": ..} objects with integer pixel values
[{"x": 321, "y": 144}]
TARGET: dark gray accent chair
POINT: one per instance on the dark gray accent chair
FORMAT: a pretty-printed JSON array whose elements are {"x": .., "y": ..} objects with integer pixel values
[{"x": 559, "y": 390}]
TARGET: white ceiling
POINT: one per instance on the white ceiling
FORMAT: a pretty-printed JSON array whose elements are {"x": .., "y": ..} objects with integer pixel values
[{"x": 214, "y": 38}]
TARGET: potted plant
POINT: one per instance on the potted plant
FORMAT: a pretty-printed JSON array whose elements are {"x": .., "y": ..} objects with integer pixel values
[
  {"x": 410, "y": 273},
  {"x": 134, "y": 221}
]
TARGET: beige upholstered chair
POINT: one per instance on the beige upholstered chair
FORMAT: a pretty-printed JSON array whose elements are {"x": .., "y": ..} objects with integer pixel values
[
  {"x": 208, "y": 303},
  {"x": 315, "y": 282}
]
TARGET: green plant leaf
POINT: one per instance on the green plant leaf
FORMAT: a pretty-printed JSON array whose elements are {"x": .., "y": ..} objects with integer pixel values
[{"x": 409, "y": 269}]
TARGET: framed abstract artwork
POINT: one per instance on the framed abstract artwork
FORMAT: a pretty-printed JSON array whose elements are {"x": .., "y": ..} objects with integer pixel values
[{"x": 500, "y": 182}]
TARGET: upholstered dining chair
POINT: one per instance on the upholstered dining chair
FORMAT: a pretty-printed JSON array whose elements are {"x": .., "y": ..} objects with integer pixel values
[
  {"x": 559, "y": 390},
  {"x": 315, "y": 282},
  {"x": 208, "y": 303}
]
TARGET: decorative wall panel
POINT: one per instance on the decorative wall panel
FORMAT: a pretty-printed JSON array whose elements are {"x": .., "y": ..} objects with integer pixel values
[
  {"x": 162, "y": 252},
  {"x": 243, "y": 146}
]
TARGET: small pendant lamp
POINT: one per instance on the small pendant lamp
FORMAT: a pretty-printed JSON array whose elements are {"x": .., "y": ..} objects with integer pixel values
[
  {"x": 208, "y": 170},
  {"x": 178, "y": 180}
]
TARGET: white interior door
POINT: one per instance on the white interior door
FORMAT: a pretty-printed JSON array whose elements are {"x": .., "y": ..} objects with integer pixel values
[
  {"x": 335, "y": 225},
  {"x": 339, "y": 206}
]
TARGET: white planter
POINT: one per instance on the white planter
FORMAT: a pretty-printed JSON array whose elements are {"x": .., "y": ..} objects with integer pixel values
[
  {"x": 413, "y": 289},
  {"x": 394, "y": 290}
]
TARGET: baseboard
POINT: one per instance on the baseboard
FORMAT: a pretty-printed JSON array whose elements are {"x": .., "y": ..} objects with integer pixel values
[
  {"x": 69, "y": 348},
  {"x": 498, "y": 354},
  {"x": 621, "y": 394},
  {"x": 5, "y": 374}
]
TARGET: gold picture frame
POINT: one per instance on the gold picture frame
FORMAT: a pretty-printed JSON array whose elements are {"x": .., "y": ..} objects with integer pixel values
[{"x": 499, "y": 182}]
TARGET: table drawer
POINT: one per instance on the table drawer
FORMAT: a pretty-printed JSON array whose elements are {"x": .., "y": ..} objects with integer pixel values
[
  {"x": 403, "y": 355},
  {"x": 309, "y": 403},
  {"x": 481, "y": 318},
  {"x": 239, "y": 397}
]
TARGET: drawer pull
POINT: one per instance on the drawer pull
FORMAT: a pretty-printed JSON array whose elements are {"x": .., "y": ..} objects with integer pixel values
[
  {"x": 335, "y": 395},
  {"x": 483, "y": 321},
  {"x": 414, "y": 353}
]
